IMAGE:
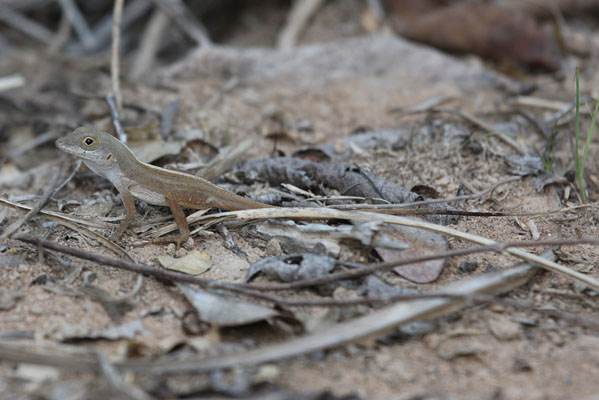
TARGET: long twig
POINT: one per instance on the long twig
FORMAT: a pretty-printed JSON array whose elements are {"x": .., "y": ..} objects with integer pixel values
[
  {"x": 56, "y": 216},
  {"x": 301, "y": 12},
  {"x": 430, "y": 201},
  {"x": 79, "y": 23},
  {"x": 484, "y": 125},
  {"x": 254, "y": 290},
  {"x": 75, "y": 223},
  {"x": 481, "y": 124},
  {"x": 376, "y": 9},
  {"x": 399, "y": 209},
  {"x": 68, "y": 178},
  {"x": 38, "y": 141},
  {"x": 144, "y": 269},
  {"x": 150, "y": 44},
  {"x": 116, "y": 118},
  {"x": 61, "y": 37},
  {"x": 327, "y": 213},
  {"x": 324, "y": 213},
  {"x": 31, "y": 28},
  {"x": 117, "y": 16},
  {"x": 11, "y": 81},
  {"x": 359, "y": 271},
  {"x": 184, "y": 17},
  {"x": 50, "y": 190},
  {"x": 133, "y": 10},
  {"x": 117, "y": 383}
]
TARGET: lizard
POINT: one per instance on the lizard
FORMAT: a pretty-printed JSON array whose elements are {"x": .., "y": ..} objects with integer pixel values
[{"x": 108, "y": 157}]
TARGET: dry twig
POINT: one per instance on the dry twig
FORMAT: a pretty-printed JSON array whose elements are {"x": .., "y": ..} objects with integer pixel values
[
  {"x": 178, "y": 11},
  {"x": 150, "y": 44},
  {"x": 29, "y": 27},
  {"x": 485, "y": 126},
  {"x": 11, "y": 81},
  {"x": 56, "y": 216},
  {"x": 301, "y": 12},
  {"x": 327, "y": 213},
  {"x": 133, "y": 10},
  {"x": 78, "y": 21},
  {"x": 359, "y": 271},
  {"x": 50, "y": 190},
  {"x": 255, "y": 290},
  {"x": 117, "y": 383},
  {"x": 116, "y": 118},
  {"x": 74, "y": 224},
  {"x": 426, "y": 202},
  {"x": 117, "y": 16}
]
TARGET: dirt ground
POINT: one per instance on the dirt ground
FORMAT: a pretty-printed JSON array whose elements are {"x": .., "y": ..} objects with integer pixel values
[{"x": 341, "y": 81}]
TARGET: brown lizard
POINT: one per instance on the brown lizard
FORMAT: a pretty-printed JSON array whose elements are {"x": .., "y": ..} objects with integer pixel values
[{"x": 108, "y": 157}]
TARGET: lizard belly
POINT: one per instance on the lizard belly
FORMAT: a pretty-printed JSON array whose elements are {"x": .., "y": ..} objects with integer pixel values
[{"x": 147, "y": 195}]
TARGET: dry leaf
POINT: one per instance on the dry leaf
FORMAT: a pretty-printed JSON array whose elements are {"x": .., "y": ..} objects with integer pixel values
[
  {"x": 525, "y": 165},
  {"x": 223, "y": 311},
  {"x": 293, "y": 267},
  {"x": 196, "y": 262},
  {"x": 421, "y": 242}
]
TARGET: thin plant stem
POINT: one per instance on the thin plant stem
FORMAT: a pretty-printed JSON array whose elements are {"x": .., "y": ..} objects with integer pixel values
[
  {"x": 579, "y": 171},
  {"x": 587, "y": 144}
]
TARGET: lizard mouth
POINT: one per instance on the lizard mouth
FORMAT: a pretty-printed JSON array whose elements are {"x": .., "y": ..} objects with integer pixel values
[{"x": 66, "y": 147}]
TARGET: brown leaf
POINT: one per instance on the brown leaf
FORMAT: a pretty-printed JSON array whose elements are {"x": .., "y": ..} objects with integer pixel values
[{"x": 488, "y": 30}]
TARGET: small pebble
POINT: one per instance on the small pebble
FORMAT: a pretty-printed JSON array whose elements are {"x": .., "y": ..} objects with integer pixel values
[
  {"x": 273, "y": 247},
  {"x": 474, "y": 147},
  {"x": 467, "y": 267},
  {"x": 180, "y": 253},
  {"x": 37, "y": 309},
  {"x": 521, "y": 365},
  {"x": 504, "y": 329},
  {"x": 189, "y": 244},
  {"x": 490, "y": 268},
  {"x": 23, "y": 268},
  {"x": 170, "y": 249},
  {"x": 556, "y": 338},
  {"x": 267, "y": 373},
  {"x": 579, "y": 288}
]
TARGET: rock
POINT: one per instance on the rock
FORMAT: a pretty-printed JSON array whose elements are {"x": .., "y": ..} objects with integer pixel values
[{"x": 503, "y": 328}]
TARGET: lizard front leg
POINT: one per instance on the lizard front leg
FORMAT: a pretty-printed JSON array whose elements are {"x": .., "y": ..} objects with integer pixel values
[{"x": 129, "y": 204}]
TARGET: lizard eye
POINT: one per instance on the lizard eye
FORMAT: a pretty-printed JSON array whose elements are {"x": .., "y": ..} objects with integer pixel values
[{"x": 88, "y": 141}]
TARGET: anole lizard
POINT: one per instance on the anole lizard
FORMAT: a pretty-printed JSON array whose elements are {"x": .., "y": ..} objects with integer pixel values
[{"x": 108, "y": 157}]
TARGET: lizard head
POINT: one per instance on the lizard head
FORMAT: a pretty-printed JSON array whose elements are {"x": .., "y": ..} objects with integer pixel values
[{"x": 90, "y": 145}]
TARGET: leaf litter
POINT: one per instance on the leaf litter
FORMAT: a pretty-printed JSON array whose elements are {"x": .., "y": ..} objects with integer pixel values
[{"x": 323, "y": 93}]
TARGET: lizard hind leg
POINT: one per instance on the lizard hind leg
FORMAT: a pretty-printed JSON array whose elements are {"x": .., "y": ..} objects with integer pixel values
[{"x": 173, "y": 199}]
